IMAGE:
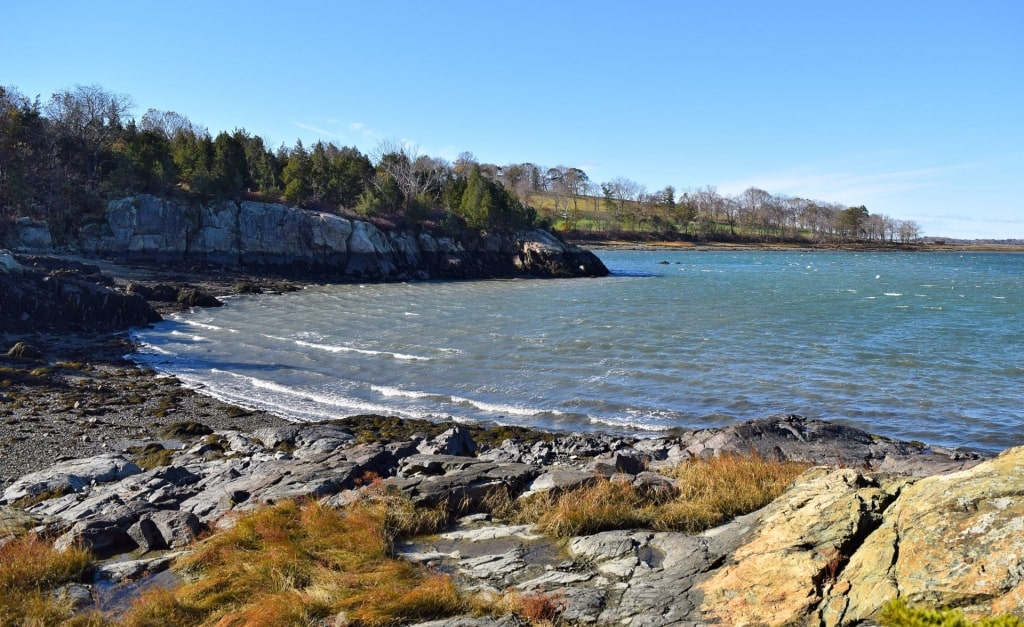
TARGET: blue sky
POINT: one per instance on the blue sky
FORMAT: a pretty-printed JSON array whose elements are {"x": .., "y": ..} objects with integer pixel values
[{"x": 914, "y": 109}]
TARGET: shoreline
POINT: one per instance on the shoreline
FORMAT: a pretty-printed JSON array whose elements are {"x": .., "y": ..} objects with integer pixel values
[{"x": 86, "y": 397}]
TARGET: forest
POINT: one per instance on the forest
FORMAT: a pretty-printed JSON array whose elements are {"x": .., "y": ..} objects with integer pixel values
[{"x": 61, "y": 161}]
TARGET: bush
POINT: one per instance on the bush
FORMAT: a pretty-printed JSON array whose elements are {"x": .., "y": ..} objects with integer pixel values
[{"x": 896, "y": 613}]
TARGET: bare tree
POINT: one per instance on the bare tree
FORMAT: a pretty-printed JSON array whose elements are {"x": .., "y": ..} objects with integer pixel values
[
  {"x": 89, "y": 115},
  {"x": 402, "y": 164},
  {"x": 169, "y": 124}
]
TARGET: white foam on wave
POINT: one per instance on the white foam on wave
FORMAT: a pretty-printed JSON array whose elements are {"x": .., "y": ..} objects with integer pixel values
[
  {"x": 194, "y": 338},
  {"x": 208, "y": 327},
  {"x": 498, "y": 408},
  {"x": 334, "y": 348},
  {"x": 384, "y": 390},
  {"x": 624, "y": 424},
  {"x": 892, "y": 294},
  {"x": 317, "y": 399}
]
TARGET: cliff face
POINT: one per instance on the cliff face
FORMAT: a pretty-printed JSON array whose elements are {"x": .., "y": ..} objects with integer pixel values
[{"x": 260, "y": 235}]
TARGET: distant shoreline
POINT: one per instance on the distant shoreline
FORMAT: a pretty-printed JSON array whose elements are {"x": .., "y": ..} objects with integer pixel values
[{"x": 653, "y": 245}]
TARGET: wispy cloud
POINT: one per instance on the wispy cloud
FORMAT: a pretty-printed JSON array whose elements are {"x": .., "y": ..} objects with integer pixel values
[
  {"x": 362, "y": 129},
  {"x": 318, "y": 130},
  {"x": 848, "y": 186}
]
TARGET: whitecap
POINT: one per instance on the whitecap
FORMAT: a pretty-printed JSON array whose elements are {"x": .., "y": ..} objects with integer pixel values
[
  {"x": 333, "y": 348},
  {"x": 498, "y": 408}
]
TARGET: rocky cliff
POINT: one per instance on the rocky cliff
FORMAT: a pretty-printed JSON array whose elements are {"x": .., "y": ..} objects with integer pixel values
[{"x": 256, "y": 235}]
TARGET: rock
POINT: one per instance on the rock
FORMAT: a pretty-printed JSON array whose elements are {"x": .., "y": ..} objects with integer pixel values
[
  {"x": 561, "y": 480},
  {"x": 121, "y": 571},
  {"x": 103, "y": 537},
  {"x": 39, "y": 298},
  {"x": 273, "y": 236},
  {"x": 460, "y": 482},
  {"x": 21, "y": 350},
  {"x": 952, "y": 540},
  {"x": 77, "y": 595},
  {"x": 31, "y": 235},
  {"x": 628, "y": 461},
  {"x": 71, "y": 476},
  {"x": 454, "y": 441},
  {"x": 799, "y": 545},
  {"x": 787, "y": 436},
  {"x": 165, "y": 529},
  {"x": 197, "y": 298}
]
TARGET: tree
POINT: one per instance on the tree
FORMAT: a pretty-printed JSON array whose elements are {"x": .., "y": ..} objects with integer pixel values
[
  {"x": 25, "y": 172},
  {"x": 264, "y": 168},
  {"x": 477, "y": 200},
  {"x": 851, "y": 222},
  {"x": 88, "y": 117},
  {"x": 168, "y": 123},
  {"x": 296, "y": 175},
  {"x": 193, "y": 157},
  {"x": 622, "y": 197},
  {"x": 229, "y": 171}
]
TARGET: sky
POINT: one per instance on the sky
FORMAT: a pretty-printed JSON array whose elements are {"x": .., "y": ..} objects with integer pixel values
[{"x": 912, "y": 108}]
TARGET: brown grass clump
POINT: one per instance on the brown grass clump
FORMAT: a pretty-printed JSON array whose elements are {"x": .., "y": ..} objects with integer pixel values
[
  {"x": 538, "y": 608},
  {"x": 30, "y": 570},
  {"x": 715, "y": 490},
  {"x": 295, "y": 564},
  {"x": 711, "y": 491}
]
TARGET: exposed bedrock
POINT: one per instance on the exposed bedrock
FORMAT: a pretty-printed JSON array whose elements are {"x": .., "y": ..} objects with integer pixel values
[
  {"x": 831, "y": 550},
  {"x": 262, "y": 235}
]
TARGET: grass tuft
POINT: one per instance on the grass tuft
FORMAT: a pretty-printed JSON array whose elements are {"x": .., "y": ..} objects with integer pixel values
[
  {"x": 30, "y": 569},
  {"x": 711, "y": 492},
  {"x": 152, "y": 455},
  {"x": 298, "y": 563}
]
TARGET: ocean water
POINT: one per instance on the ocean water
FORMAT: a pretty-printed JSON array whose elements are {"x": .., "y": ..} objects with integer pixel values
[{"x": 924, "y": 346}]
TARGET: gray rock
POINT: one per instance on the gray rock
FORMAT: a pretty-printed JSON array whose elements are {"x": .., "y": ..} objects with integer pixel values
[
  {"x": 258, "y": 234},
  {"x": 454, "y": 441},
  {"x": 165, "y": 529},
  {"x": 77, "y": 595},
  {"x": 103, "y": 537},
  {"x": 629, "y": 461},
  {"x": 560, "y": 480},
  {"x": 118, "y": 572},
  {"x": 71, "y": 475},
  {"x": 461, "y": 482}
]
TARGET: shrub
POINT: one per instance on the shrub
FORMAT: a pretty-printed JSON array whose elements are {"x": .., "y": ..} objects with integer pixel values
[{"x": 896, "y": 613}]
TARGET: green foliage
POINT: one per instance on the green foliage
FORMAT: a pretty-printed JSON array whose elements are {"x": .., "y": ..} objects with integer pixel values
[
  {"x": 487, "y": 204},
  {"x": 896, "y": 613}
]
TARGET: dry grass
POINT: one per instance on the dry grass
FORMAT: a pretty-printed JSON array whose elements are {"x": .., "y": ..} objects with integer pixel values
[
  {"x": 711, "y": 492},
  {"x": 538, "y": 608},
  {"x": 30, "y": 569},
  {"x": 718, "y": 489},
  {"x": 294, "y": 564}
]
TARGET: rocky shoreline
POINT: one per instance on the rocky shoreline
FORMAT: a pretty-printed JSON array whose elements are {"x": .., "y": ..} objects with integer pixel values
[{"x": 103, "y": 453}]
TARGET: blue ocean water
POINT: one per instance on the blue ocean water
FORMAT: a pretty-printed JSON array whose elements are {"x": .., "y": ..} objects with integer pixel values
[{"x": 924, "y": 346}]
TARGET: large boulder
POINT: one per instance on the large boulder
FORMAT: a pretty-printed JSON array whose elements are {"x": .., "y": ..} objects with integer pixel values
[
  {"x": 840, "y": 543},
  {"x": 40, "y": 297},
  {"x": 71, "y": 476}
]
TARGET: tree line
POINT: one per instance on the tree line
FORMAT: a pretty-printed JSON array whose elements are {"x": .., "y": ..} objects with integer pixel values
[{"x": 62, "y": 160}]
